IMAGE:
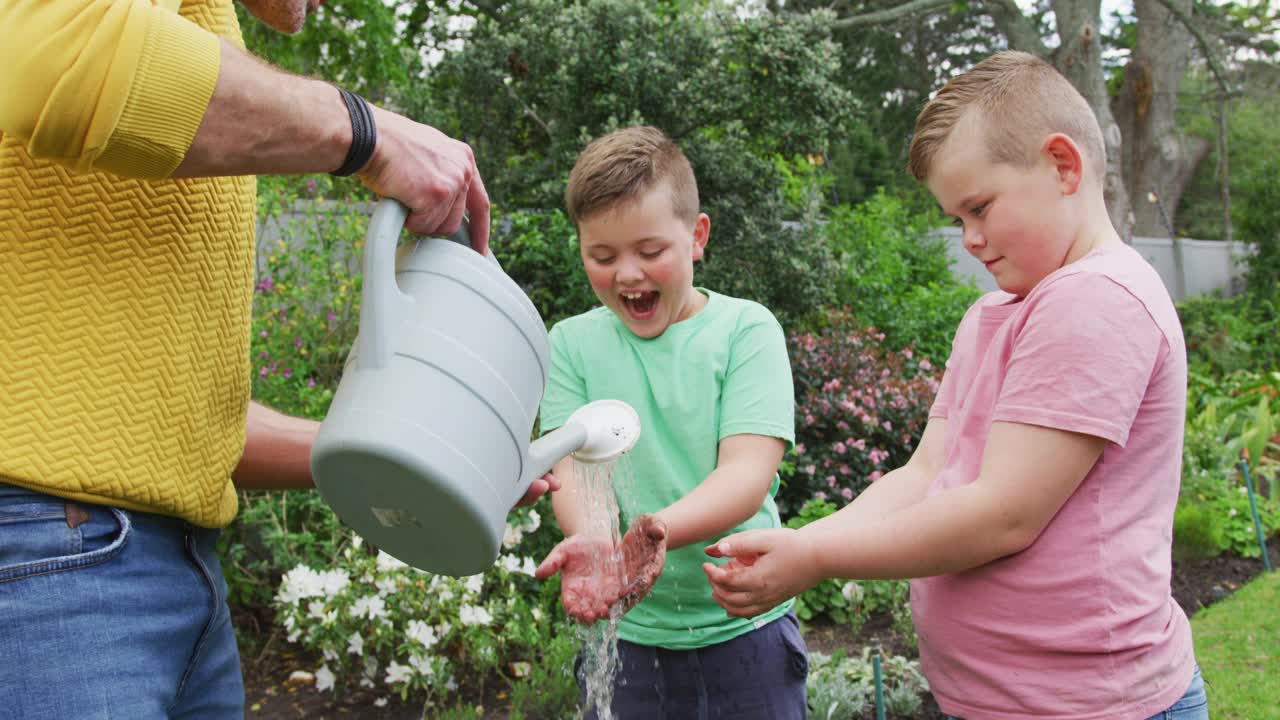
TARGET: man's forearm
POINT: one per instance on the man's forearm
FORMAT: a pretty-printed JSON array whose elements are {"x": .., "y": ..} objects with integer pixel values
[
  {"x": 277, "y": 452},
  {"x": 262, "y": 120}
]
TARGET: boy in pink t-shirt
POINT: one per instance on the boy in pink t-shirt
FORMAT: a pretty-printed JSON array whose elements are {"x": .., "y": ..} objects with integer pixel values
[{"x": 1037, "y": 510}]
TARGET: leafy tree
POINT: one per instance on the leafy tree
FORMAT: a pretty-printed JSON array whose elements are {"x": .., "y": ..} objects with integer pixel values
[{"x": 733, "y": 92}]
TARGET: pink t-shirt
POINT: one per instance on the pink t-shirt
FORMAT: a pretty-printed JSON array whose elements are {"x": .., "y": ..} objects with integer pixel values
[{"x": 1081, "y": 624}]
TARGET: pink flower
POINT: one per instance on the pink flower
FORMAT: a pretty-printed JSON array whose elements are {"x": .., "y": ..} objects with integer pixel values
[
  {"x": 861, "y": 444},
  {"x": 925, "y": 364},
  {"x": 799, "y": 448},
  {"x": 820, "y": 495},
  {"x": 831, "y": 481},
  {"x": 846, "y": 493},
  {"x": 846, "y": 470},
  {"x": 875, "y": 476},
  {"x": 311, "y": 382},
  {"x": 839, "y": 448},
  {"x": 810, "y": 469},
  {"x": 887, "y": 425},
  {"x": 262, "y": 372}
]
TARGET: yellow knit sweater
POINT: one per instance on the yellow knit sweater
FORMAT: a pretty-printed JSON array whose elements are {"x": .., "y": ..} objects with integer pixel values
[{"x": 124, "y": 297}]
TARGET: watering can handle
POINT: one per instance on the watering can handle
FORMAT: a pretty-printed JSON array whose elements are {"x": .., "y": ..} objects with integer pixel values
[{"x": 382, "y": 305}]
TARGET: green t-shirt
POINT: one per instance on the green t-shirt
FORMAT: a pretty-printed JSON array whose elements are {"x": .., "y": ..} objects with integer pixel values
[{"x": 722, "y": 372}]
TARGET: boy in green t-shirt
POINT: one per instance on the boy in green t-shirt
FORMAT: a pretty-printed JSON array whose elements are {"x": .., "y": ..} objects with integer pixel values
[{"x": 710, "y": 378}]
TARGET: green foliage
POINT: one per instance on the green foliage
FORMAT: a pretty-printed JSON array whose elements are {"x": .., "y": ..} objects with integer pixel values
[
  {"x": 844, "y": 687},
  {"x": 529, "y": 89},
  {"x": 1225, "y": 418},
  {"x": 306, "y": 302},
  {"x": 357, "y": 44},
  {"x": 1224, "y": 335},
  {"x": 549, "y": 690},
  {"x": 1198, "y": 530},
  {"x": 539, "y": 250},
  {"x": 896, "y": 275}
]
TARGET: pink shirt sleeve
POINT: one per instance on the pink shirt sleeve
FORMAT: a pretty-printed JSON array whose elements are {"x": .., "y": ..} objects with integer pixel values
[{"x": 1084, "y": 372}]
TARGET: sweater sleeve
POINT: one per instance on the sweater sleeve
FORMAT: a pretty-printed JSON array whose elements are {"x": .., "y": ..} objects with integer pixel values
[{"x": 119, "y": 86}]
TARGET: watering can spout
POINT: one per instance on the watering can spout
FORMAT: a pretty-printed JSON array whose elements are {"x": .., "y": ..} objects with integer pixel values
[{"x": 550, "y": 449}]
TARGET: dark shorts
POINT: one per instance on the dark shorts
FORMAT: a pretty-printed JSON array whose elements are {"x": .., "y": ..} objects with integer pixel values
[{"x": 760, "y": 674}]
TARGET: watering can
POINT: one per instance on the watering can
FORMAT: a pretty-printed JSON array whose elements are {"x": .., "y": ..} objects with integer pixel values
[{"x": 425, "y": 448}]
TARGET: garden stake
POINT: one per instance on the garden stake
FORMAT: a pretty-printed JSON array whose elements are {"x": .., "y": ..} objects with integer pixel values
[
  {"x": 875, "y": 672},
  {"x": 1253, "y": 506}
]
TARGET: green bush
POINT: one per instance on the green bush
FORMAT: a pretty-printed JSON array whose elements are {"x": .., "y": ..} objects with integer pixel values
[
  {"x": 1224, "y": 335},
  {"x": 1198, "y": 530},
  {"x": 895, "y": 274},
  {"x": 539, "y": 250}
]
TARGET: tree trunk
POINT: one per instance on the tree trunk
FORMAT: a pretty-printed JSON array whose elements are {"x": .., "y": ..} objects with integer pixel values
[
  {"x": 1079, "y": 58},
  {"x": 1158, "y": 159}
]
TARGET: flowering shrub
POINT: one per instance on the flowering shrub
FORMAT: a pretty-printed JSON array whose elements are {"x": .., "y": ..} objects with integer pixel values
[
  {"x": 379, "y": 623},
  {"x": 860, "y": 409}
]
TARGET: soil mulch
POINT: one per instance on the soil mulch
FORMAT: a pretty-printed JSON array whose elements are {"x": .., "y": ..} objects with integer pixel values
[{"x": 269, "y": 695}]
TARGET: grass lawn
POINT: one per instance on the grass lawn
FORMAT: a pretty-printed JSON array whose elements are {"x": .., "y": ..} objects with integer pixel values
[{"x": 1238, "y": 647}]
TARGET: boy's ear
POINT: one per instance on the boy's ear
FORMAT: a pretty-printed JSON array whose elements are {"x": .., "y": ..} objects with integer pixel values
[
  {"x": 701, "y": 233},
  {"x": 1067, "y": 161}
]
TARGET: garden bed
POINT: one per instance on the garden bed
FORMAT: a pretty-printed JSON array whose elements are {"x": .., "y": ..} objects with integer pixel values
[{"x": 268, "y": 665}]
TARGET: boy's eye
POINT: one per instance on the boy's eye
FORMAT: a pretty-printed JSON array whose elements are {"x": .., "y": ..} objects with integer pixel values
[
  {"x": 652, "y": 253},
  {"x": 980, "y": 208},
  {"x": 603, "y": 260},
  {"x": 956, "y": 222}
]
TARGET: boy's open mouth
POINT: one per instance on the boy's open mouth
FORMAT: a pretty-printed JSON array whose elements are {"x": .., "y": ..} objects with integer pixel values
[{"x": 640, "y": 305}]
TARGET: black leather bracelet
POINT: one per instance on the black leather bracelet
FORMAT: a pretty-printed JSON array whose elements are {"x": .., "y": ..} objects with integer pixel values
[{"x": 364, "y": 135}]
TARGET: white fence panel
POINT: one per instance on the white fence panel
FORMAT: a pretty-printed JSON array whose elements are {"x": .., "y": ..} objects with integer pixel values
[{"x": 1207, "y": 265}]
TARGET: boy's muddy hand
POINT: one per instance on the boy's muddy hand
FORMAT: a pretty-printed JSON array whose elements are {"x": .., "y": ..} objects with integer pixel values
[
  {"x": 590, "y": 575},
  {"x": 768, "y": 567},
  {"x": 644, "y": 552}
]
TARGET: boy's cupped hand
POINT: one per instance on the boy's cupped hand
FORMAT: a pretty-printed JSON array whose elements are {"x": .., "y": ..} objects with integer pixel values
[
  {"x": 595, "y": 574},
  {"x": 766, "y": 568}
]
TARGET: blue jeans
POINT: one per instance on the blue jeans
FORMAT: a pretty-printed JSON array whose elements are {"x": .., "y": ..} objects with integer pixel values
[
  {"x": 108, "y": 613},
  {"x": 1193, "y": 705},
  {"x": 759, "y": 675}
]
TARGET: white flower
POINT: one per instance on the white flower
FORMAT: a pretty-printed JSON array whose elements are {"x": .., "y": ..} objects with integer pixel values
[
  {"x": 533, "y": 522},
  {"x": 366, "y": 683},
  {"x": 316, "y": 609},
  {"x": 372, "y": 606},
  {"x": 1243, "y": 490},
  {"x": 445, "y": 628},
  {"x": 475, "y": 584},
  {"x": 451, "y": 685},
  {"x": 329, "y": 655},
  {"x": 510, "y": 563},
  {"x": 537, "y": 614},
  {"x": 324, "y": 678},
  {"x": 386, "y": 563},
  {"x": 422, "y": 632},
  {"x": 387, "y": 586},
  {"x": 1232, "y": 512},
  {"x": 355, "y": 645},
  {"x": 380, "y": 702},
  {"x": 356, "y": 541},
  {"x": 528, "y": 567},
  {"x": 303, "y": 582},
  {"x": 474, "y": 615},
  {"x": 445, "y": 594},
  {"x": 511, "y": 537},
  {"x": 852, "y": 592},
  {"x": 421, "y": 664},
  {"x": 397, "y": 673}
]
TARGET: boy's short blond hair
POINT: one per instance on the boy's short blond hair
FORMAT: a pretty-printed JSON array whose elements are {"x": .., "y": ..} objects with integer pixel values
[
  {"x": 1021, "y": 99},
  {"x": 622, "y": 166}
]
